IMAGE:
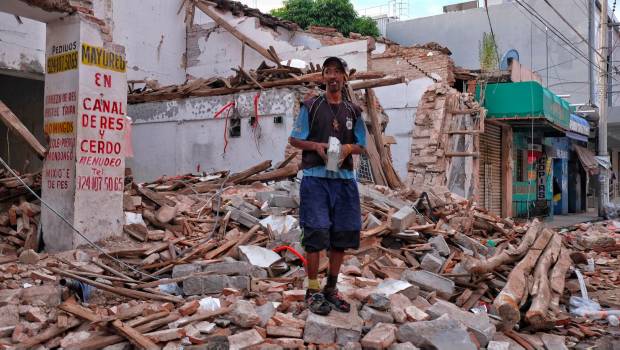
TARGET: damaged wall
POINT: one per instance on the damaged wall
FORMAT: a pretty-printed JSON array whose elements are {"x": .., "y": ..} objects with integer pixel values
[
  {"x": 432, "y": 164},
  {"x": 400, "y": 102},
  {"x": 151, "y": 31},
  {"x": 22, "y": 46},
  {"x": 153, "y": 35},
  {"x": 213, "y": 51},
  {"x": 182, "y": 136}
]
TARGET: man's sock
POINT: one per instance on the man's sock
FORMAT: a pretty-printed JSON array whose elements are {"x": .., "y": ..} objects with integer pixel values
[
  {"x": 331, "y": 282},
  {"x": 314, "y": 285}
]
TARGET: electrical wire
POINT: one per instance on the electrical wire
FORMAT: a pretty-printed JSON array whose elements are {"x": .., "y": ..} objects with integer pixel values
[
  {"x": 560, "y": 36},
  {"x": 557, "y": 33},
  {"x": 573, "y": 28},
  {"x": 91, "y": 243}
]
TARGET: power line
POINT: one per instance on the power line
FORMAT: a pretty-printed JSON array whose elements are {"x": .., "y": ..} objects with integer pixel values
[
  {"x": 558, "y": 34},
  {"x": 552, "y": 38},
  {"x": 554, "y": 30}
]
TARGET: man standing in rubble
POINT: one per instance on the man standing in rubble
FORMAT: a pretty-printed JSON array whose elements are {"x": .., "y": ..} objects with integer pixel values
[{"x": 330, "y": 207}]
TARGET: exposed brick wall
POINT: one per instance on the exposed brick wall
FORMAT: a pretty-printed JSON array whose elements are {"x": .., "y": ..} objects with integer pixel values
[
  {"x": 436, "y": 114},
  {"x": 395, "y": 60}
]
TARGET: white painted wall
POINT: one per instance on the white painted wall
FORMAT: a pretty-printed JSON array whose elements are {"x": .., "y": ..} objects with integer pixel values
[
  {"x": 150, "y": 30},
  {"x": 154, "y": 38},
  {"x": 182, "y": 136},
  {"x": 214, "y": 51},
  {"x": 22, "y": 46},
  {"x": 400, "y": 103}
]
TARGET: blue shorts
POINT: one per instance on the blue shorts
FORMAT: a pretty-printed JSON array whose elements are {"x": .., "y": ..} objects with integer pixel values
[{"x": 329, "y": 214}]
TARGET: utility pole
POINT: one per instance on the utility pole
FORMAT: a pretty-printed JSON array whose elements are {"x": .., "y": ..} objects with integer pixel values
[{"x": 602, "y": 107}]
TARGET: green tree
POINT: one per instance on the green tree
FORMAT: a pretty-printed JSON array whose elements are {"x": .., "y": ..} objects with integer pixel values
[
  {"x": 488, "y": 53},
  {"x": 298, "y": 11},
  {"x": 365, "y": 26},
  {"x": 339, "y": 14}
]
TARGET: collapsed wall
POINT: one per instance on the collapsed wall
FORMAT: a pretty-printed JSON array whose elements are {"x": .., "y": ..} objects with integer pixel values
[{"x": 444, "y": 142}]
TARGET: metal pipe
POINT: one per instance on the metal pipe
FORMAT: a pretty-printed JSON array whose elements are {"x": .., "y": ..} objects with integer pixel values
[{"x": 590, "y": 53}]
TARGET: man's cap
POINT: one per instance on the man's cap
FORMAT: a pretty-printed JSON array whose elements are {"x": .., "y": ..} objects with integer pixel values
[{"x": 339, "y": 61}]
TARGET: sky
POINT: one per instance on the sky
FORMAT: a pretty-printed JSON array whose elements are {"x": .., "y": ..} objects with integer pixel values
[{"x": 417, "y": 8}]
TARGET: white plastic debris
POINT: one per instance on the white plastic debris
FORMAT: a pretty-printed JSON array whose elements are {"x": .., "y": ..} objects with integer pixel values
[
  {"x": 391, "y": 286},
  {"x": 279, "y": 223},
  {"x": 27, "y": 285},
  {"x": 209, "y": 304},
  {"x": 258, "y": 256},
  {"x": 295, "y": 63},
  {"x": 134, "y": 218}
]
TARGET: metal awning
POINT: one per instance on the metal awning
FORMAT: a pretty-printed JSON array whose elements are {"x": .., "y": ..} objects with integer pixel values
[
  {"x": 587, "y": 159},
  {"x": 576, "y": 136}
]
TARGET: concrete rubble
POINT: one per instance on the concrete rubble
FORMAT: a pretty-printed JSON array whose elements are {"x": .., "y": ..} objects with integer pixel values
[{"x": 217, "y": 276}]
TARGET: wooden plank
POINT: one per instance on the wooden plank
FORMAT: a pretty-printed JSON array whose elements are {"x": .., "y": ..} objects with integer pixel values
[
  {"x": 118, "y": 290},
  {"x": 209, "y": 11},
  {"x": 15, "y": 125},
  {"x": 388, "y": 169},
  {"x": 273, "y": 175},
  {"x": 49, "y": 333},
  {"x": 135, "y": 337},
  {"x": 374, "y": 83},
  {"x": 80, "y": 311},
  {"x": 507, "y": 168}
]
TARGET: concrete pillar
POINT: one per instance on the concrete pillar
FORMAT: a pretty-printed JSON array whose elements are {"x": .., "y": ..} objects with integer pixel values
[{"x": 85, "y": 105}]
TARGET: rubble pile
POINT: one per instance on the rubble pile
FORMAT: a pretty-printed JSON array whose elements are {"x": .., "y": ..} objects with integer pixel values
[
  {"x": 20, "y": 222},
  {"x": 11, "y": 187},
  {"x": 262, "y": 77},
  {"x": 215, "y": 260}
]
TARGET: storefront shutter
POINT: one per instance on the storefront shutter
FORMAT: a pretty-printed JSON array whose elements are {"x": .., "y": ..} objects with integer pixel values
[{"x": 491, "y": 169}]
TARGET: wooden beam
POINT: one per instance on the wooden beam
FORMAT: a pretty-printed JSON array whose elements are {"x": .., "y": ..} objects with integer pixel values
[
  {"x": 209, "y": 11},
  {"x": 118, "y": 290},
  {"x": 15, "y": 125},
  {"x": 374, "y": 83},
  {"x": 135, "y": 337},
  {"x": 507, "y": 167},
  {"x": 388, "y": 169}
]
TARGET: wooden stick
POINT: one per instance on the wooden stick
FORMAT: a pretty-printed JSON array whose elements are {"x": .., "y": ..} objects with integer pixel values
[
  {"x": 146, "y": 319},
  {"x": 48, "y": 334},
  {"x": 103, "y": 341},
  {"x": 113, "y": 271},
  {"x": 135, "y": 337},
  {"x": 377, "y": 83},
  {"x": 273, "y": 175},
  {"x": 118, "y": 290},
  {"x": 80, "y": 311},
  {"x": 233, "y": 252},
  {"x": 390, "y": 174},
  {"x": 203, "y": 316},
  {"x": 170, "y": 280},
  {"x": 15, "y": 125},
  {"x": 96, "y": 275}
]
